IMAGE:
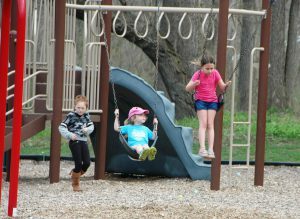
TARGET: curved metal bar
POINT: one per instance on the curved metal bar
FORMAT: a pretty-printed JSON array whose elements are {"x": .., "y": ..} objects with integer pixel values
[
  {"x": 168, "y": 26},
  {"x": 234, "y": 28},
  {"x": 94, "y": 27},
  {"x": 203, "y": 28},
  {"x": 114, "y": 25},
  {"x": 135, "y": 25},
  {"x": 180, "y": 27}
]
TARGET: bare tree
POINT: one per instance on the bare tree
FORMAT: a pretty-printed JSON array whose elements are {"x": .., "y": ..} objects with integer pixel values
[
  {"x": 292, "y": 67},
  {"x": 248, "y": 31},
  {"x": 276, "y": 88}
]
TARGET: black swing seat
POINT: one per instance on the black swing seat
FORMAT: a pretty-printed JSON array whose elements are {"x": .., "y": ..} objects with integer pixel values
[{"x": 132, "y": 154}]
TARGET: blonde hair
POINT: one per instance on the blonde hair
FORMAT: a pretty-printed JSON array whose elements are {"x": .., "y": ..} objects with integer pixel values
[
  {"x": 81, "y": 98},
  {"x": 129, "y": 121}
]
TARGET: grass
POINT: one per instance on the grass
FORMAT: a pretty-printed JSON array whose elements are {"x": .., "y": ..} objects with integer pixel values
[
  {"x": 40, "y": 144},
  {"x": 282, "y": 138}
]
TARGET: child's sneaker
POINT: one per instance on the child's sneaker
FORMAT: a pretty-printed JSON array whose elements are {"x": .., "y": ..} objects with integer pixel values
[
  {"x": 211, "y": 154},
  {"x": 152, "y": 153},
  {"x": 144, "y": 154},
  {"x": 203, "y": 153}
]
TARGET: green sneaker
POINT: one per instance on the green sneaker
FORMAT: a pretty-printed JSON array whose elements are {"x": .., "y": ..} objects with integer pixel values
[
  {"x": 152, "y": 153},
  {"x": 144, "y": 154}
]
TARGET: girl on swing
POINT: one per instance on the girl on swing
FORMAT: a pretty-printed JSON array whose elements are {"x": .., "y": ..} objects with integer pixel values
[
  {"x": 138, "y": 134},
  {"x": 204, "y": 82}
]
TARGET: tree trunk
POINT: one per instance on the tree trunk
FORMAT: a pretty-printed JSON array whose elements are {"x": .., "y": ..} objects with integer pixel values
[
  {"x": 171, "y": 69},
  {"x": 175, "y": 54},
  {"x": 292, "y": 67},
  {"x": 248, "y": 30},
  {"x": 276, "y": 88}
]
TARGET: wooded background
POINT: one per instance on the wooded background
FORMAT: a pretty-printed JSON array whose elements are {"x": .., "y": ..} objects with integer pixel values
[{"x": 175, "y": 54}]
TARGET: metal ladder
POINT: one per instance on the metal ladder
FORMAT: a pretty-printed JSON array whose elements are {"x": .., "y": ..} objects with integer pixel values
[{"x": 248, "y": 122}]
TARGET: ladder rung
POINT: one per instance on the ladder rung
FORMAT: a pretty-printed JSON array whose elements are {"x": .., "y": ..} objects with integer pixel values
[
  {"x": 241, "y": 122},
  {"x": 240, "y": 145}
]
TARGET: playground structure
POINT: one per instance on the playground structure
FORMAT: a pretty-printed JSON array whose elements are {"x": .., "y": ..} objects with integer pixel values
[{"x": 50, "y": 87}]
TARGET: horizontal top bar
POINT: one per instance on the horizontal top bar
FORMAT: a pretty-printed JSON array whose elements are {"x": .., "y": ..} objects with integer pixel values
[{"x": 163, "y": 9}]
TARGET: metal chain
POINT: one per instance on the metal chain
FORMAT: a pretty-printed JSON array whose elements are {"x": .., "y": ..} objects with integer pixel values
[
  {"x": 108, "y": 60},
  {"x": 212, "y": 21},
  {"x": 157, "y": 47},
  {"x": 245, "y": 49}
]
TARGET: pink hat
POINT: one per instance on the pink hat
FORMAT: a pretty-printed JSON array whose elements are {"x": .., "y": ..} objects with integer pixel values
[{"x": 137, "y": 111}]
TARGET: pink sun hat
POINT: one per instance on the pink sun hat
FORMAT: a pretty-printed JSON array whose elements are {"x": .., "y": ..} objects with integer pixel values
[{"x": 137, "y": 111}]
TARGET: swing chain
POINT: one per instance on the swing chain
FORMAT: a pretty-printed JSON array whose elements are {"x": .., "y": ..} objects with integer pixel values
[
  {"x": 108, "y": 59},
  {"x": 245, "y": 49},
  {"x": 212, "y": 21},
  {"x": 157, "y": 47}
]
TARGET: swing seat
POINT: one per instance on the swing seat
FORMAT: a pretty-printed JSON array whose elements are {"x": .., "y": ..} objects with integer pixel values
[{"x": 132, "y": 154}]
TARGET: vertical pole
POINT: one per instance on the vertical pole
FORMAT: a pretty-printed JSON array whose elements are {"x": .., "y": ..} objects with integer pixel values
[
  {"x": 262, "y": 97},
  {"x": 4, "y": 48},
  {"x": 17, "y": 115},
  {"x": 221, "y": 66},
  {"x": 55, "y": 147},
  {"x": 104, "y": 91},
  {"x": 12, "y": 56},
  {"x": 11, "y": 78}
]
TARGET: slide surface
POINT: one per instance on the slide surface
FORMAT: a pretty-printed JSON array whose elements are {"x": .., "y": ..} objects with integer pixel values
[{"x": 174, "y": 157}]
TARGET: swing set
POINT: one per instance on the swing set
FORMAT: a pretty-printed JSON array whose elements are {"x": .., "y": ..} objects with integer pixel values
[
  {"x": 105, "y": 10},
  {"x": 223, "y": 12}
]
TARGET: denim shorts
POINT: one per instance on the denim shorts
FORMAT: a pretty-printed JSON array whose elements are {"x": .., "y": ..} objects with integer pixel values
[{"x": 203, "y": 105}]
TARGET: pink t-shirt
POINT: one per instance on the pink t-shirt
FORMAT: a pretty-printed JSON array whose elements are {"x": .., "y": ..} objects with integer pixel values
[{"x": 206, "y": 90}]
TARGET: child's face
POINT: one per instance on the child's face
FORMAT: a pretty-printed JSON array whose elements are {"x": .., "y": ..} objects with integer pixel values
[
  {"x": 80, "y": 108},
  {"x": 208, "y": 68},
  {"x": 140, "y": 119}
]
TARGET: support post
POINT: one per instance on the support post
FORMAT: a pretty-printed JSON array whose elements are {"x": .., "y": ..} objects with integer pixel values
[
  {"x": 262, "y": 96},
  {"x": 55, "y": 145},
  {"x": 221, "y": 66},
  {"x": 104, "y": 91},
  {"x": 4, "y": 48},
  {"x": 17, "y": 115}
]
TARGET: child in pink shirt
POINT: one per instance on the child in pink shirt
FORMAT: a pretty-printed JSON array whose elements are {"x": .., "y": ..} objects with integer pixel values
[{"x": 204, "y": 83}]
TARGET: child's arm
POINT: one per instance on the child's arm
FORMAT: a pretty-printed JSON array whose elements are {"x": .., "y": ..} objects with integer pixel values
[
  {"x": 155, "y": 122},
  {"x": 89, "y": 126},
  {"x": 65, "y": 132},
  {"x": 191, "y": 85},
  {"x": 117, "y": 123},
  {"x": 223, "y": 86}
]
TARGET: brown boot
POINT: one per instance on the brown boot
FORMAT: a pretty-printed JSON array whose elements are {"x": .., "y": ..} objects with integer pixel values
[
  {"x": 75, "y": 181},
  {"x": 81, "y": 173}
]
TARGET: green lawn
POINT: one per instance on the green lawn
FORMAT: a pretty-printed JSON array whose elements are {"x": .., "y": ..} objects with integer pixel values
[
  {"x": 40, "y": 144},
  {"x": 282, "y": 138}
]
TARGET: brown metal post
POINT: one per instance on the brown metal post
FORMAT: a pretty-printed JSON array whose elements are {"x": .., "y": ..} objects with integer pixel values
[
  {"x": 55, "y": 146},
  {"x": 262, "y": 97},
  {"x": 221, "y": 66},
  {"x": 104, "y": 91}
]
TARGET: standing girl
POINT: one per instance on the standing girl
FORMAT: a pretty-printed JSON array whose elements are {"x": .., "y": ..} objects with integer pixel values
[
  {"x": 204, "y": 83},
  {"x": 76, "y": 128}
]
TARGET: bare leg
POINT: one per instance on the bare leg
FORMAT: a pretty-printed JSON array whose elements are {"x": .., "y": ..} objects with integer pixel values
[
  {"x": 138, "y": 148},
  {"x": 202, "y": 117},
  {"x": 210, "y": 128},
  {"x": 145, "y": 146}
]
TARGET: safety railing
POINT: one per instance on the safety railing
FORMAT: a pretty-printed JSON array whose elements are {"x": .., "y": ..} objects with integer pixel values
[{"x": 29, "y": 99}]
